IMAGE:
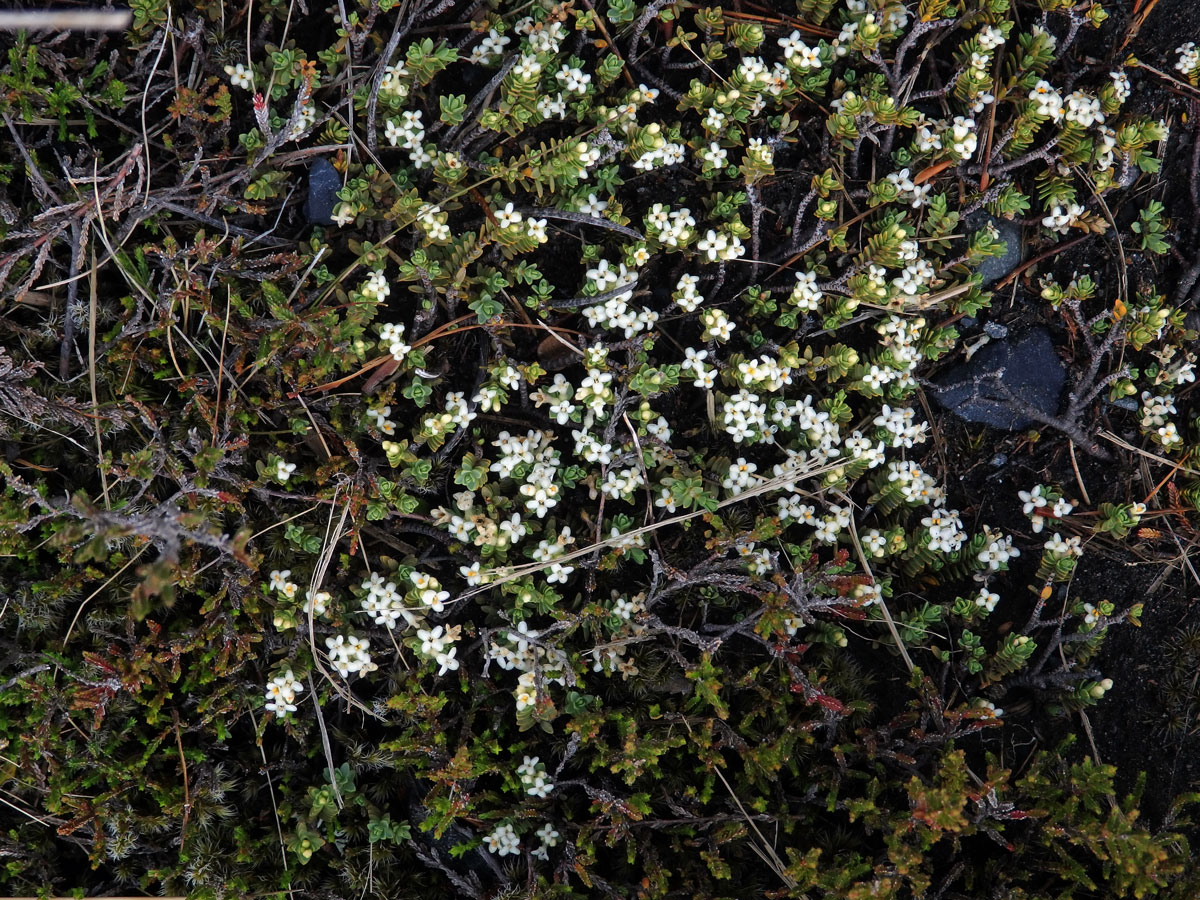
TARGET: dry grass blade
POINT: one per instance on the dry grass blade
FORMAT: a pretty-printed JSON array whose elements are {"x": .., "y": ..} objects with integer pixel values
[
  {"x": 333, "y": 534},
  {"x": 271, "y": 791},
  {"x": 887, "y": 615},
  {"x": 93, "y": 594},
  {"x": 65, "y": 20},
  {"x": 92, "y": 305},
  {"x": 1125, "y": 445}
]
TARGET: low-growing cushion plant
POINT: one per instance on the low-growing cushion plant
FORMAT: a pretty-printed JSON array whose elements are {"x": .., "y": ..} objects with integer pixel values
[{"x": 562, "y": 515}]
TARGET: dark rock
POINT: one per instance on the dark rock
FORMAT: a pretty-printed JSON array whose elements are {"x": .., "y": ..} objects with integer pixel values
[
  {"x": 995, "y": 330},
  {"x": 323, "y": 184},
  {"x": 1032, "y": 372},
  {"x": 996, "y": 267}
]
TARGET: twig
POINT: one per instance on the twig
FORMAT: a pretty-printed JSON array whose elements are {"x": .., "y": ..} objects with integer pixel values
[{"x": 35, "y": 173}]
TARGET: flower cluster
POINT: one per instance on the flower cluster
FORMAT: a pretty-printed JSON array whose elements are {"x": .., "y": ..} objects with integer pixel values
[
  {"x": 437, "y": 644},
  {"x": 492, "y": 45},
  {"x": 407, "y": 133},
  {"x": 534, "y": 778},
  {"x": 1189, "y": 61},
  {"x": 998, "y": 552},
  {"x": 1041, "y": 503},
  {"x": 503, "y": 841},
  {"x": 281, "y": 693},
  {"x": 1059, "y": 220},
  {"x": 945, "y": 530},
  {"x": 349, "y": 655}
]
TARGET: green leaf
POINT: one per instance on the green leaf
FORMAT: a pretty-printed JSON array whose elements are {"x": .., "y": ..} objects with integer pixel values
[{"x": 453, "y": 106}]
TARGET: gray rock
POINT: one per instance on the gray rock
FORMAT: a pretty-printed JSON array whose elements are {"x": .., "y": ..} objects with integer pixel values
[
  {"x": 323, "y": 184},
  {"x": 995, "y": 330},
  {"x": 996, "y": 267},
  {"x": 1032, "y": 371}
]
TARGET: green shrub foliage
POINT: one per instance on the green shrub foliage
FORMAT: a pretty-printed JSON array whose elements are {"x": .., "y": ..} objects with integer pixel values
[{"x": 563, "y": 519}]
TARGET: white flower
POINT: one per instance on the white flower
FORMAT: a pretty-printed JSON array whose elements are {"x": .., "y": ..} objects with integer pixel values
[
  {"x": 284, "y": 470},
  {"x": 552, "y": 106},
  {"x": 348, "y": 654},
  {"x": 1034, "y": 499},
  {"x": 240, "y": 76},
  {"x": 809, "y": 58},
  {"x": 990, "y": 37},
  {"x": 1120, "y": 85},
  {"x": 528, "y": 68},
  {"x": 593, "y": 206},
  {"x": 399, "y": 350},
  {"x": 316, "y": 604},
  {"x": 987, "y": 600},
  {"x": 705, "y": 378},
  {"x": 715, "y": 155},
  {"x": 343, "y": 214},
  {"x": 420, "y": 157},
  {"x": 492, "y": 45},
  {"x": 998, "y": 553},
  {"x": 508, "y": 217},
  {"x": 713, "y": 244},
  {"x": 375, "y": 287},
  {"x": 714, "y": 120},
  {"x": 1060, "y": 220},
  {"x": 536, "y": 228},
  {"x": 431, "y": 641},
  {"x": 391, "y": 83},
  {"x": 1169, "y": 436},
  {"x": 792, "y": 45},
  {"x": 927, "y": 139},
  {"x": 446, "y": 661},
  {"x": 392, "y": 132}
]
